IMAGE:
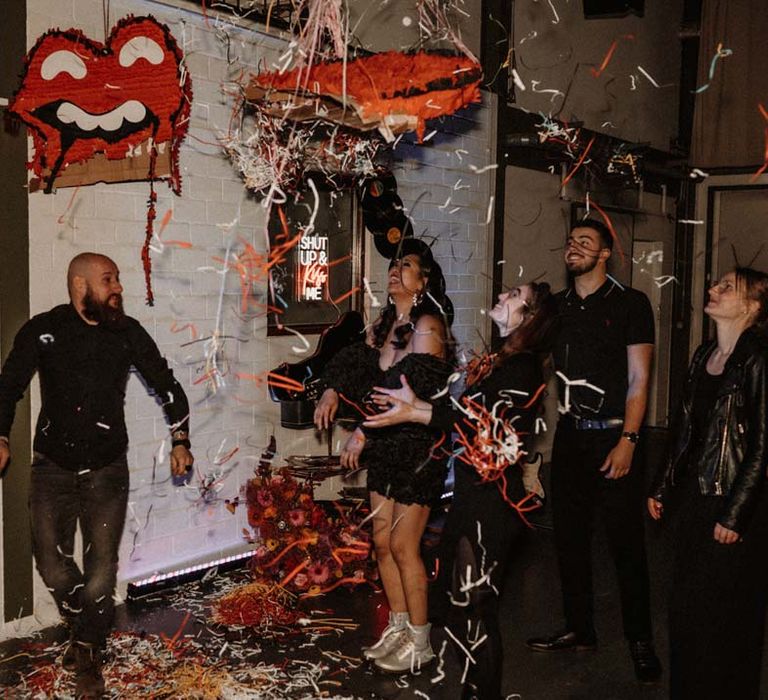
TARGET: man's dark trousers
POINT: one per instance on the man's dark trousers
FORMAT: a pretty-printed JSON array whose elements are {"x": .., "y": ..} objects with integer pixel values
[
  {"x": 579, "y": 491},
  {"x": 98, "y": 499}
]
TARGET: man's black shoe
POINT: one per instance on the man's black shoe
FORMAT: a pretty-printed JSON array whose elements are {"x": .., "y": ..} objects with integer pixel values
[
  {"x": 647, "y": 664},
  {"x": 70, "y": 658},
  {"x": 564, "y": 641},
  {"x": 89, "y": 681}
]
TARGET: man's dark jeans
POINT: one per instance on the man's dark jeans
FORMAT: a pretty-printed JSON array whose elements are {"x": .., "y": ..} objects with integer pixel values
[
  {"x": 579, "y": 492},
  {"x": 98, "y": 499}
]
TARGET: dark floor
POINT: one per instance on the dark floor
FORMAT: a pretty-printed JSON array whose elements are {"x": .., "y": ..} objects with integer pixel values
[{"x": 161, "y": 652}]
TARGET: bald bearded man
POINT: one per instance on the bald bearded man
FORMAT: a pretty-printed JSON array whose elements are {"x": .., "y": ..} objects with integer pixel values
[{"x": 83, "y": 352}]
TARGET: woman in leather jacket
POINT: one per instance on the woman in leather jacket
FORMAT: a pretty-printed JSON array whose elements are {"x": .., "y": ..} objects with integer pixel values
[{"x": 717, "y": 474}]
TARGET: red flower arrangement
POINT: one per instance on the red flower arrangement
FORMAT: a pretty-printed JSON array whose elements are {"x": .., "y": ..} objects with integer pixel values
[{"x": 303, "y": 548}]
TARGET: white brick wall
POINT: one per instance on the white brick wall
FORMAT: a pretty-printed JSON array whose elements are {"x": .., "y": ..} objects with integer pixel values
[
  {"x": 165, "y": 528},
  {"x": 427, "y": 175}
]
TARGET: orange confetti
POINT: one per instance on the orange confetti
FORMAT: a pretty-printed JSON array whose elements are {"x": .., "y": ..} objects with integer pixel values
[
  {"x": 578, "y": 163},
  {"x": 286, "y": 549},
  {"x": 345, "y": 295},
  {"x": 294, "y": 573},
  {"x": 178, "y": 329},
  {"x": 337, "y": 261},
  {"x": 327, "y": 589},
  {"x": 60, "y": 220},
  {"x": 354, "y": 405},
  {"x": 170, "y": 643},
  {"x": 609, "y": 224},
  {"x": 165, "y": 220},
  {"x": 609, "y": 55}
]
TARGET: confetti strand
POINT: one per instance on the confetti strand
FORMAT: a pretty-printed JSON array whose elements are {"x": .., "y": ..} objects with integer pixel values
[
  {"x": 609, "y": 54},
  {"x": 609, "y": 224},
  {"x": 578, "y": 163}
]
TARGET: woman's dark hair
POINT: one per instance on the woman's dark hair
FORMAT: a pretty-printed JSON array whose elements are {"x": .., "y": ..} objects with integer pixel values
[
  {"x": 537, "y": 330},
  {"x": 433, "y": 301},
  {"x": 755, "y": 286}
]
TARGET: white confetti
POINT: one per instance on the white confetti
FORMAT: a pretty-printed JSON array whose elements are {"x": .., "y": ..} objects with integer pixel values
[{"x": 477, "y": 170}]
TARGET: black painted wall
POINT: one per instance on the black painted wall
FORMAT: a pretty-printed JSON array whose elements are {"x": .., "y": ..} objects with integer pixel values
[{"x": 14, "y": 311}]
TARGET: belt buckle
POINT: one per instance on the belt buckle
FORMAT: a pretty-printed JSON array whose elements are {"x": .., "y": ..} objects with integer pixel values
[{"x": 581, "y": 423}]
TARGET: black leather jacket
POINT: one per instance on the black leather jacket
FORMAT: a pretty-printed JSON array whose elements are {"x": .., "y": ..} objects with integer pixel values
[{"x": 733, "y": 459}]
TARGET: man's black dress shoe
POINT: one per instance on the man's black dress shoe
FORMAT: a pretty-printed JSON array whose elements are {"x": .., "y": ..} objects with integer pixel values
[
  {"x": 647, "y": 664},
  {"x": 564, "y": 641}
]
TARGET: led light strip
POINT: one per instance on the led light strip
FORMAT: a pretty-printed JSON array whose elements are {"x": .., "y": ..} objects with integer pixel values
[{"x": 157, "y": 578}]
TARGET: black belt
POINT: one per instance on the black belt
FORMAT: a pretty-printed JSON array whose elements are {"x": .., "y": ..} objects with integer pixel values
[{"x": 594, "y": 423}]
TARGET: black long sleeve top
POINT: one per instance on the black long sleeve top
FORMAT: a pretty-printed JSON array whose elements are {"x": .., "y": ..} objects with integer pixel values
[
  {"x": 507, "y": 392},
  {"x": 514, "y": 383},
  {"x": 83, "y": 372}
]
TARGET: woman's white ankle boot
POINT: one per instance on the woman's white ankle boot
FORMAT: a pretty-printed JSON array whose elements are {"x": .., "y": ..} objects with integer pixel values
[
  {"x": 413, "y": 653},
  {"x": 391, "y": 638}
]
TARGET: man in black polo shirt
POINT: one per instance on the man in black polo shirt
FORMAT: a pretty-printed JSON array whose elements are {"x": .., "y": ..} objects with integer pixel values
[
  {"x": 83, "y": 352},
  {"x": 603, "y": 357}
]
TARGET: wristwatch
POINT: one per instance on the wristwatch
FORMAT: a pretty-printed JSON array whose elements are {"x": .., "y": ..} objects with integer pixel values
[
  {"x": 180, "y": 437},
  {"x": 634, "y": 438}
]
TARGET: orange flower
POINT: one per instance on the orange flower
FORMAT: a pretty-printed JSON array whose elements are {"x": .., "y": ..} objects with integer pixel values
[
  {"x": 272, "y": 545},
  {"x": 310, "y": 535},
  {"x": 269, "y": 513}
]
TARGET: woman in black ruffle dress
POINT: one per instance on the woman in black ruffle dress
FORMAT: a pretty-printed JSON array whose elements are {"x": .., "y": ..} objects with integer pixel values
[
  {"x": 406, "y": 470},
  {"x": 495, "y": 418}
]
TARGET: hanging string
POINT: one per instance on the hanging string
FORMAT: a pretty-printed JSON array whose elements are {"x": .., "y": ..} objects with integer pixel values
[{"x": 105, "y": 15}]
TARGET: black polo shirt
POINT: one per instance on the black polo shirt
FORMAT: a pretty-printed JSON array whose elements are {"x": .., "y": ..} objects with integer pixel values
[{"x": 592, "y": 345}]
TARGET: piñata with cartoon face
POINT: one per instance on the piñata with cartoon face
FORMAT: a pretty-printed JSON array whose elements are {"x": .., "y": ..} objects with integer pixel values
[{"x": 108, "y": 112}]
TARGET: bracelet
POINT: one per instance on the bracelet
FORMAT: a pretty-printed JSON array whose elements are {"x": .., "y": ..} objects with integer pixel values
[
  {"x": 185, "y": 442},
  {"x": 634, "y": 438}
]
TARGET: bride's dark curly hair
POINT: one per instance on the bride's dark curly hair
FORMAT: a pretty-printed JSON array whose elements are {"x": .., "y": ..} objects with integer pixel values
[{"x": 432, "y": 302}]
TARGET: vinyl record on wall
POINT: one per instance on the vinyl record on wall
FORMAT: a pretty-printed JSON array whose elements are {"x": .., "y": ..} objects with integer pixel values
[
  {"x": 388, "y": 210},
  {"x": 383, "y": 213},
  {"x": 376, "y": 190},
  {"x": 387, "y": 241}
]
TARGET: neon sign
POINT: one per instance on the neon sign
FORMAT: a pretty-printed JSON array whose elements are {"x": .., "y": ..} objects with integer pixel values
[{"x": 312, "y": 272}]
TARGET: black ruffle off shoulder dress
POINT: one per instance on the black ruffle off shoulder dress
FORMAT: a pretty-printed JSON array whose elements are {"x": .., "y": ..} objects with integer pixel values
[{"x": 402, "y": 461}]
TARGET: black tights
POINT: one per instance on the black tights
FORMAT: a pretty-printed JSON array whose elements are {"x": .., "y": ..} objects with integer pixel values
[{"x": 477, "y": 540}]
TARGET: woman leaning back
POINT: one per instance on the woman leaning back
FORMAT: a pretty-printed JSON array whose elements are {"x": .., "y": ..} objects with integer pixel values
[
  {"x": 495, "y": 418},
  {"x": 716, "y": 480},
  {"x": 405, "y": 473}
]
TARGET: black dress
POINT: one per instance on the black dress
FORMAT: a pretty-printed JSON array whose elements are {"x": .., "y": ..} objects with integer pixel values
[
  {"x": 402, "y": 461},
  {"x": 482, "y": 526}
]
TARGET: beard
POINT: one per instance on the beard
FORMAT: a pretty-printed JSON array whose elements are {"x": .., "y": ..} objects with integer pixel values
[
  {"x": 582, "y": 267},
  {"x": 104, "y": 312}
]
